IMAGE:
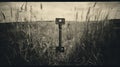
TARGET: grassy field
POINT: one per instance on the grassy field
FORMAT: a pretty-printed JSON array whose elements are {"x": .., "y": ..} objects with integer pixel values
[{"x": 35, "y": 42}]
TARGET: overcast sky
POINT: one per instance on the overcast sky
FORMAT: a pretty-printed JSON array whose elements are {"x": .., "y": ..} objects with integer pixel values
[{"x": 52, "y": 10}]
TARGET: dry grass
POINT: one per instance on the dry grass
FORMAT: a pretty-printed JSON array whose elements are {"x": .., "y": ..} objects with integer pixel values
[{"x": 82, "y": 41}]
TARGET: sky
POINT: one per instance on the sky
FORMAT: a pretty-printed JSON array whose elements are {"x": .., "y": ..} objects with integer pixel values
[{"x": 51, "y": 10}]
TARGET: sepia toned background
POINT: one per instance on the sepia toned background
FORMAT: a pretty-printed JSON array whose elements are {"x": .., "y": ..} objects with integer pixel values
[
  {"x": 29, "y": 35},
  {"x": 51, "y": 10}
]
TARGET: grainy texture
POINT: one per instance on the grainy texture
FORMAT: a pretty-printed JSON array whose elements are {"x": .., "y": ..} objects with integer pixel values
[{"x": 34, "y": 42}]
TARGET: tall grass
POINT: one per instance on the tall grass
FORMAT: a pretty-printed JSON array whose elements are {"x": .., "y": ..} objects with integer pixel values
[
  {"x": 36, "y": 41},
  {"x": 91, "y": 43}
]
